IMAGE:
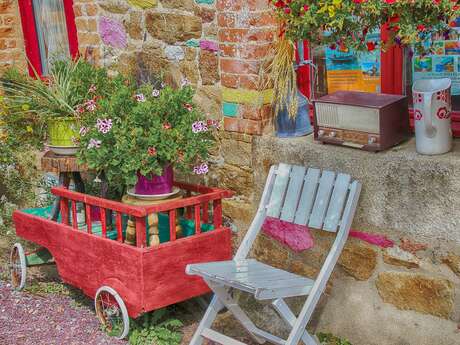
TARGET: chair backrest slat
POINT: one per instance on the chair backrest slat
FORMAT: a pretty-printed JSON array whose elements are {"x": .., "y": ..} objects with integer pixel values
[
  {"x": 338, "y": 198},
  {"x": 308, "y": 196},
  {"x": 279, "y": 190},
  {"x": 293, "y": 192},
  {"x": 326, "y": 183}
]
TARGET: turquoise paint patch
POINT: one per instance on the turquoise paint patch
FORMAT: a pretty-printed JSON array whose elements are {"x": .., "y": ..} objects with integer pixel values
[
  {"x": 207, "y": 2},
  {"x": 230, "y": 109},
  {"x": 192, "y": 43}
]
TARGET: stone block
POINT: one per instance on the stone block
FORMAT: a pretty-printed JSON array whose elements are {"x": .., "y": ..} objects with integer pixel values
[
  {"x": 358, "y": 260},
  {"x": 175, "y": 53},
  {"x": 143, "y": 3},
  {"x": 114, "y": 6},
  {"x": 453, "y": 261},
  {"x": 236, "y": 178},
  {"x": 237, "y": 152},
  {"x": 209, "y": 67},
  {"x": 397, "y": 257},
  {"x": 409, "y": 291},
  {"x": 209, "y": 99},
  {"x": 239, "y": 211},
  {"x": 271, "y": 252},
  {"x": 178, "y": 4},
  {"x": 173, "y": 27},
  {"x": 134, "y": 25}
]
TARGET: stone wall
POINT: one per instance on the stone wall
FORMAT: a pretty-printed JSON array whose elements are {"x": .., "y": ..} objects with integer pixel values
[{"x": 11, "y": 38}]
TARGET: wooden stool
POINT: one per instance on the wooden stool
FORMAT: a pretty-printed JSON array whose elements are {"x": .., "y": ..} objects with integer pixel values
[
  {"x": 67, "y": 168},
  {"x": 152, "y": 220}
]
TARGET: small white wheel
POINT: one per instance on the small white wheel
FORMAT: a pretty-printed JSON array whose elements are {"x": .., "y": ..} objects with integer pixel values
[
  {"x": 112, "y": 312},
  {"x": 18, "y": 267}
]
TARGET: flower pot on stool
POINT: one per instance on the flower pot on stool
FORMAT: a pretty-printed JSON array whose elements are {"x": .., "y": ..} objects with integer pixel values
[{"x": 154, "y": 184}]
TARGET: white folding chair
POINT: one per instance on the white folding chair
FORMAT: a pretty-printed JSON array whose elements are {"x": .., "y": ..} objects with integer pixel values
[{"x": 322, "y": 200}]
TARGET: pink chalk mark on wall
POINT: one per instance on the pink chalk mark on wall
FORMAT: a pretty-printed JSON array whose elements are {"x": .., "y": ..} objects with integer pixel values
[
  {"x": 375, "y": 239},
  {"x": 112, "y": 32},
  {"x": 209, "y": 45},
  {"x": 297, "y": 237}
]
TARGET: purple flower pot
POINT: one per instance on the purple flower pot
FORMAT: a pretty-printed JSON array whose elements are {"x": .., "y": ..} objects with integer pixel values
[{"x": 153, "y": 184}]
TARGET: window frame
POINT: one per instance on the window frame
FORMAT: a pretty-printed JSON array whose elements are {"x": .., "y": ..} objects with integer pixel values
[{"x": 32, "y": 48}]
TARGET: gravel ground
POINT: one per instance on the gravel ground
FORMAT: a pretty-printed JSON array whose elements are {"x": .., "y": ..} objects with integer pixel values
[{"x": 29, "y": 319}]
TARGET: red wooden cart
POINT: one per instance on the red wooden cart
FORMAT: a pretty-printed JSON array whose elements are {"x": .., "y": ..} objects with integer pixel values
[{"x": 124, "y": 280}]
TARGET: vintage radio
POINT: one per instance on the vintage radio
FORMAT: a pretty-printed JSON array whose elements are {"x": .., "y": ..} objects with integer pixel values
[{"x": 368, "y": 121}]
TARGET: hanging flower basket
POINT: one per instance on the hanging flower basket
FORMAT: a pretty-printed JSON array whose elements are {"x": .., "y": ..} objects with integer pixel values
[{"x": 345, "y": 24}]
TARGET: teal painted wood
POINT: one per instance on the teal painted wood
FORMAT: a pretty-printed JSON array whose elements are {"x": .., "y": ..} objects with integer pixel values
[
  {"x": 339, "y": 194},
  {"x": 279, "y": 190},
  {"x": 308, "y": 196},
  {"x": 193, "y": 43},
  {"x": 293, "y": 193},
  {"x": 230, "y": 109},
  {"x": 323, "y": 196},
  {"x": 206, "y": 2}
]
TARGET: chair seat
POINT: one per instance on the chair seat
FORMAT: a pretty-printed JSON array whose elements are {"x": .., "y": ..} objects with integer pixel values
[{"x": 263, "y": 281}]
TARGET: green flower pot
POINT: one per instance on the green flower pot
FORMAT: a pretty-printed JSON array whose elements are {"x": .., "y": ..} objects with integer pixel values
[{"x": 61, "y": 131}]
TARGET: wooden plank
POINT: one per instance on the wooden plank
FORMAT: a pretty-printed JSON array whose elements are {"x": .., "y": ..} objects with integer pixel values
[
  {"x": 89, "y": 224},
  {"x": 293, "y": 193},
  {"x": 308, "y": 196},
  {"x": 323, "y": 196},
  {"x": 141, "y": 238},
  {"x": 172, "y": 225},
  {"x": 119, "y": 225},
  {"x": 197, "y": 219},
  {"x": 279, "y": 190},
  {"x": 64, "y": 211},
  {"x": 337, "y": 202},
  {"x": 74, "y": 215},
  {"x": 52, "y": 162},
  {"x": 205, "y": 212},
  {"x": 103, "y": 222},
  {"x": 220, "y": 338},
  {"x": 217, "y": 213}
]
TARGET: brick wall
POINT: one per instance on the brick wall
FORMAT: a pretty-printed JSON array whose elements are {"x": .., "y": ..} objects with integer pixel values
[
  {"x": 89, "y": 41},
  {"x": 11, "y": 39},
  {"x": 246, "y": 31}
]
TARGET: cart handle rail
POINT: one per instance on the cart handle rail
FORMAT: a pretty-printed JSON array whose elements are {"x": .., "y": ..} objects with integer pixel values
[{"x": 197, "y": 208}]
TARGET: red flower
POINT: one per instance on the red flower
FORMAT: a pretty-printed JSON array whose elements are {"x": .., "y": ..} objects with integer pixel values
[
  {"x": 280, "y": 3},
  {"x": 436, "y": 2},
  {"x": 420, "y": 27},
  {"x": 390, "y": 1},
  {"x": 305, "y": 8},
  {"x": 167, "y": 125},
  {"x": 152, "y": 151},
  {"x": 333, "y": 46},
  {"x": 287, "y": 10},
  {"x": 370, "y": 46}
]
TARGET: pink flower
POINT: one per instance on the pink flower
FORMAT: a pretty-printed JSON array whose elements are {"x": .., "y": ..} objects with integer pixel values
[
  {"x": 167, "y": 125},
  {"x": 104, "y": 126},
  {"x": 184, "y": 82},
  {"x": 92, "y": 88},
  {"x": 94, "y": 143},
  {"x": 188, "y": 106},
  {"x": 83, "y": 131},
  {"x": 91, "y": 105},
  {"x": 201, "y": 169},
  {"x": 287, "y": 10},
  {"x": 155, "y": 93},
  {"x": 140, "y": 97}
]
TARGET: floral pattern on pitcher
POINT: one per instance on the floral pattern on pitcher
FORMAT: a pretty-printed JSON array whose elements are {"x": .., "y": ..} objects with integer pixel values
[
  {"x": 418, "y": 115},
  {"x": 443, "y": 113},
  {"x": 418, "y": 98}
]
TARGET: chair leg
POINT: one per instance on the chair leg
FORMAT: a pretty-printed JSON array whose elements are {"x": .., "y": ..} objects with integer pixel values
[
  {"x": 223, "y": 295},
  {"x": 288, "y": 316},
  {"x": 214, "y": 307}
]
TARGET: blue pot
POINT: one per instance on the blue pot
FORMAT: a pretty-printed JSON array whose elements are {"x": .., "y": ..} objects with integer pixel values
[{"x": 294, "y": 127}]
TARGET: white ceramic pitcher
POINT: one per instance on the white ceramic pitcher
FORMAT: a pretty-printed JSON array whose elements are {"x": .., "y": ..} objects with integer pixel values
[{"x": 432, "y": 116}]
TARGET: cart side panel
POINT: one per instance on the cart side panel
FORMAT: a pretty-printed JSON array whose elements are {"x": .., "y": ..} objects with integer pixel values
[
  {"x": 165, "y": 280},
  {"x": 87, "y": 261}
]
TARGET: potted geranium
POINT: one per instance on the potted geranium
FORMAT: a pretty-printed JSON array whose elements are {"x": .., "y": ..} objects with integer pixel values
[
  {"x": 56, "y": 103},
  {"x": 139, "y": 135}
]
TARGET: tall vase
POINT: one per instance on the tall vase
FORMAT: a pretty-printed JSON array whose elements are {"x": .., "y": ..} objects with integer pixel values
[
  {"x": 294, "y": 127},
  {"x": 154, "y": 184}
]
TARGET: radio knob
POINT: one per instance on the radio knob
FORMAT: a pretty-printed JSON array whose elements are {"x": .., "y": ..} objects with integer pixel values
[
  {"x": 371, "y": 140},
  {"x": 332, "y": 134},
  {"x": 321, "y": 132}
]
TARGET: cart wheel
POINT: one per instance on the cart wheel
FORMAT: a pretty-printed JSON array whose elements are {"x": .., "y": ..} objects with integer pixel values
[
  {"x": 18, "y": 267},
  {"x": 112, "y": 312}
]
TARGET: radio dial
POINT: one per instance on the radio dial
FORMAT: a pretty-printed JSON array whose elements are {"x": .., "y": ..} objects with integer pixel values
[
  {"x": 371, "y": 140},
  {"x": 321, "y": 132}
]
